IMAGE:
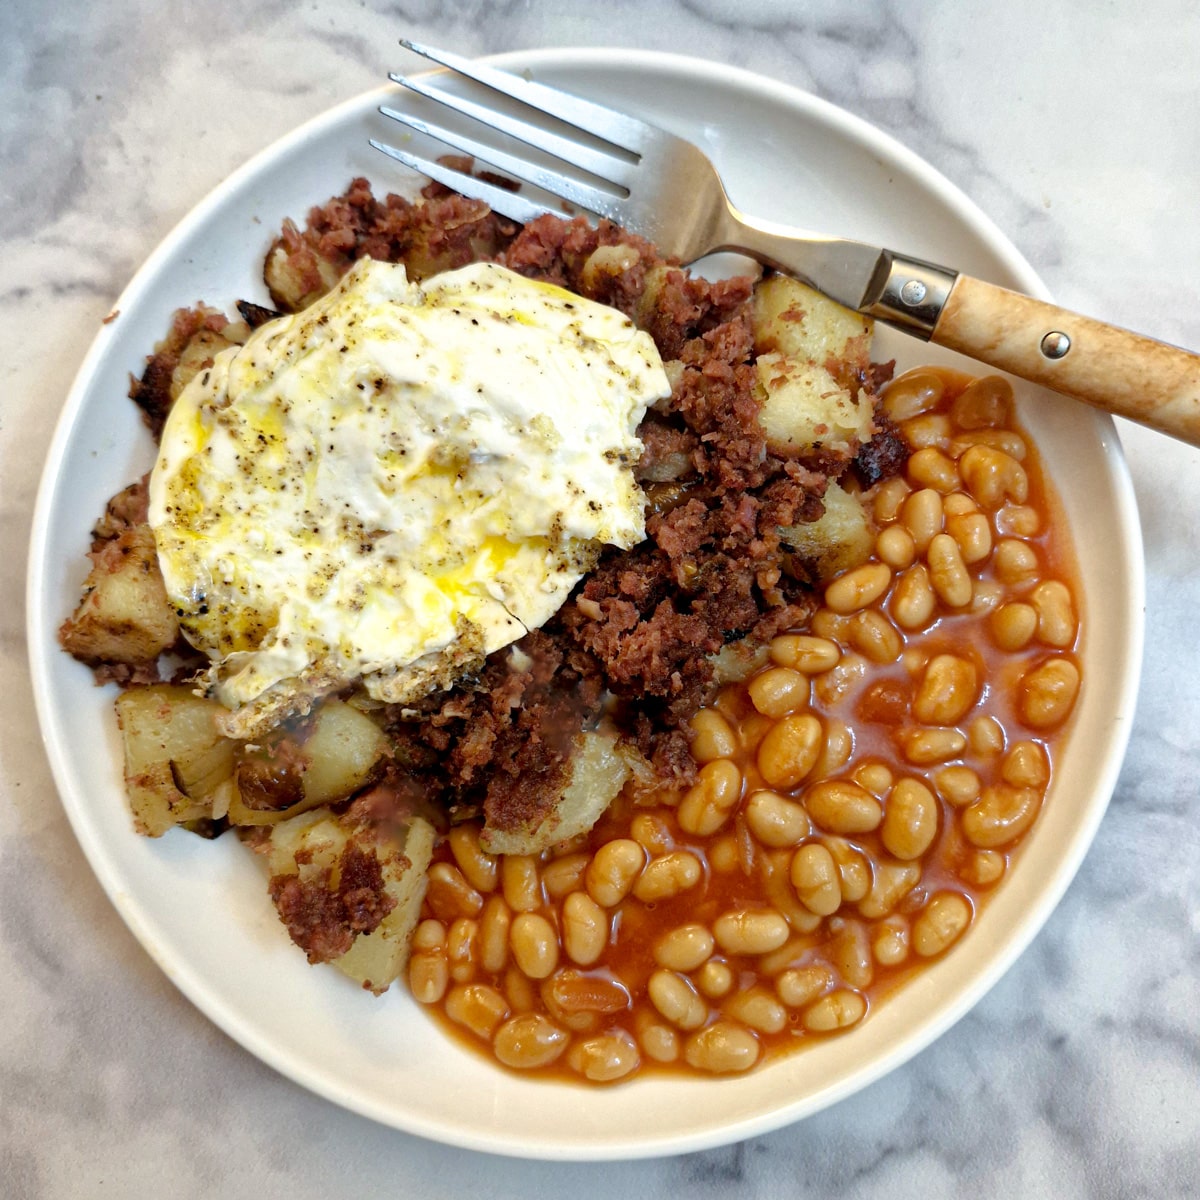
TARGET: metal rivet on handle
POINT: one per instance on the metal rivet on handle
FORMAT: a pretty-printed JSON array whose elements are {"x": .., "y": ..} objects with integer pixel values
[
  {"x": 1056, "y": 344},
  {"x": 913, "y": 292}
]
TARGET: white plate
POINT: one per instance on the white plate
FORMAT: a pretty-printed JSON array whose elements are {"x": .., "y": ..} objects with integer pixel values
[{"x": 201, "y": 909}]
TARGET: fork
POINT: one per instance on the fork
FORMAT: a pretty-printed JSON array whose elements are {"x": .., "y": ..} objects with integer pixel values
[{"x": 668, "y": 190}]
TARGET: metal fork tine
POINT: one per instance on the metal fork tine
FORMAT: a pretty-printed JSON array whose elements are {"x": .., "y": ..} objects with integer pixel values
[
  {"x": 508, "y": 204},
  {"x": 617, "y": 128},
  {"x": 593, "y": 199},
  {"x": 595, "y": 162}
]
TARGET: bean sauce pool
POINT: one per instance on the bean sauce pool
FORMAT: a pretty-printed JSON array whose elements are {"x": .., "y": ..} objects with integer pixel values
[{"x": 859, "y": 796}]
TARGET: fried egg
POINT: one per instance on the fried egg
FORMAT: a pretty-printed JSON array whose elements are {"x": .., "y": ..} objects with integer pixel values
[{"x": 396, "y": 482}]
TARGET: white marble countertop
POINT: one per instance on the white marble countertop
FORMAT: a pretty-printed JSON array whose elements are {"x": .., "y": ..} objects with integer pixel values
[{"x": 1075, "y": 127}]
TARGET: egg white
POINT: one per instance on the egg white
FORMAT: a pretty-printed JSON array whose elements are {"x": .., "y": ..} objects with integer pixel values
[{"x": 397, "y": 482}]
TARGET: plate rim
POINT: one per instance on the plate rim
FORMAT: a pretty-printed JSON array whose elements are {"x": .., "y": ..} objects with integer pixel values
[{"x": 39, "y": 625}]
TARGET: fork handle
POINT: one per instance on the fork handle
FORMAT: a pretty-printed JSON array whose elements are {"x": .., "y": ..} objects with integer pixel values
[{"x": 1124, "y": 373}]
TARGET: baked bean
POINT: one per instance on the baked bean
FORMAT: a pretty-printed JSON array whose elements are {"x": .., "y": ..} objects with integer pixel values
[
  {"x": 712, "y": 736},
  {"x": 835, "y": 686},
  {"x": 910, "y": 820},
  {"x": 1013, "y": 625},
  {"x": 519, "y": 882},
  {"x": 930, "y": 468},
  {"x": 1018, "y": 520},
  {"x": 828, "y": 625},
  {"x": 650, "y": 832},
  {"x": 429, "y": 935},
  {"x": 572, "y": 993},
  {"x": 958, "y": 504},
  {"x": 1015, "y": 562},
  {"x": 890, "y": 883},
  {"x": 563, "y": 875},
  {"x": 1000, "y": 815},
  {"x": 985, "y": 403},
  {"x": 758, "y": 1009},
  {"x": 854, "y": 872},
  {"x": 841, "y": 806},
  {"x": 724, "y": 856},
  {"x": 985, "y": 736},
  {"x": 804, "y": 652},
  {"x": 875, "y": 637},
  {"x": 940, "y": 923},
  {"x": 750, "y": 931},
  {"x": 922, "y": 517},
  {"x": 715, "y": 979},
  {"x": 478, "y": 1007},
  {"x": 948, "y": 573},
  {"x": 614, "y": 869},
  {"x": 684, "y": 948},
  {"x": 709, "y": 801},
  {"x": 929, "y": 429},
  {"x": 802, "y": 985},
  {"x": 915, "y": 392},
  {"x": 775, "y": 820},
  {"x": 1025, "y": 765},
  {"x": 894, "y": 545},
  {"x": 1056, "y": 624},
  {"x": 606, "y": 1057},
  {"x": 839, "y": 745},
  {"x": 722, "y": 1049},
  {"x": 659, "y": 1042},
  {"x": 494, "y": 924},
  {"x": 779, "y": 691},
  {"x": 948, "y": 690},
  {"x": 815, "y": 877},
  {"x": 991, "y": 476},
  {"x": 667, "y": 876},
  {"x": 923, "y": 746},
  {"x": 477, "y": 865},
  {"x": 850, "y": 952},
  {"x": 790, "y": 750},
  {"x": 986, "y": 596},
  {"x": 428, "y": 976},
  {"x": 984, "y": 868},
  {"x": 519, "y": 989},
  {"x": 913, "y": 601},
  {"x": 752, "y": 730},
  {"x": 1046, "y": 694},
  {"x": 534, "y": 944},
  {"x": 449, "y": 895},
  {"x": 529, "y": 1040},
  {"x": 838, "y": 1010},
  {"x": 957, "y": 785},
  {"x": 584, "y": 928},
  {"x": 462, "y": 949},
  {"x": 972, "y": 534},
  {"x": 890, "y": 941},
  {"x": 875, "y": 776},
  {"x": 858, "y": 587},
  {"x": 676, "y": 999},
  {"x": 888, "y": 498}
]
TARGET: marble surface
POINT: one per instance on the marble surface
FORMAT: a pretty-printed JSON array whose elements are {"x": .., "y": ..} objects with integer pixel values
[{"x": 1074, "y": 126}]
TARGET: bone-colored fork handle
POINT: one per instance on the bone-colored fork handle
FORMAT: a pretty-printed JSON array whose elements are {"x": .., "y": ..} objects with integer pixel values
[{"x": 1121, "y": 372}]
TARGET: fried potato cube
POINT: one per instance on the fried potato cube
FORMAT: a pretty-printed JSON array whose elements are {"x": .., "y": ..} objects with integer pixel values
[
  {"x": 340, "y": 755},
  {"x": 598, "y": 773},
  {"x": 350, "y": 893},
  {"x": 803, "y": 408},
  {"x": 175, "y": 759},
  {"x": 124, "y": 615},
  {"x": 839, "y": 539},
  {"x": 790, "y": 318}
]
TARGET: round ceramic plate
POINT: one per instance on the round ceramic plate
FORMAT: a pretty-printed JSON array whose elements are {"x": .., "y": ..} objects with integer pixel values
[{"x": 201, "y": 909}]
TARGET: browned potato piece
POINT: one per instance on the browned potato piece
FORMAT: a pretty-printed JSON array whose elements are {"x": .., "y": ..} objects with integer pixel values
[
  {"x": 791, "y": 319},
  {"x": 199, "y": 353},
  {"x": 804, "y": 408},
  {"x": 174, "y": 757},
  {"x": 339, "y": 756},
  {"x": 366, "y": 881},
  {"x": 838, "y": 540},
  {"x": 124, "y": 616},
  {"x": 598, "y": 772},
  {"x": 295, "y": 274}
]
